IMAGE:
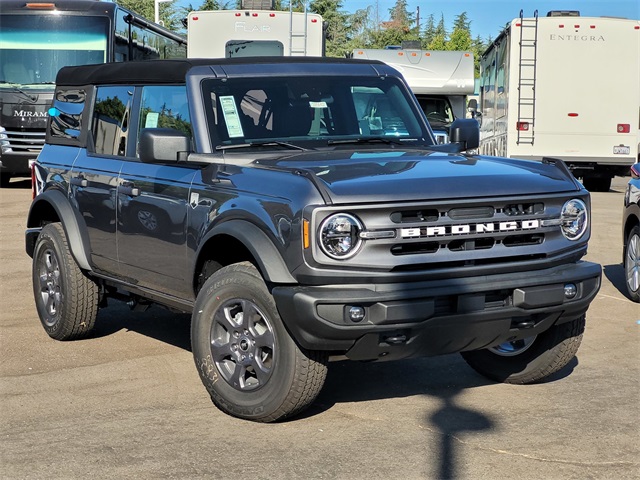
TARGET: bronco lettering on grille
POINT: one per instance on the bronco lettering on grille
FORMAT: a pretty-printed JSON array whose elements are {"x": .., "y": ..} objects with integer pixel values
[{"x": 465, "y": 229}]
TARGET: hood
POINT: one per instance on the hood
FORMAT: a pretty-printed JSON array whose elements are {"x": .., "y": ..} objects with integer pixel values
[{"x": 389, "y": 176}]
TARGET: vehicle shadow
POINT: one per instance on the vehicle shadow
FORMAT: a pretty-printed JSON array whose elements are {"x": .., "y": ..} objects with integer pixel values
[
  {"x": 159, "y": 323},
  {"x": 615, "y": 274},
  {"x": 19, "y": 182},
  {"x": 443, "y": 378}
]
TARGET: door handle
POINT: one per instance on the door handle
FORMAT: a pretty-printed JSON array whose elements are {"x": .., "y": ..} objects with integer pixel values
[
  {"x": 129, "y": 188},
  {"x": 79, "y": 181}
]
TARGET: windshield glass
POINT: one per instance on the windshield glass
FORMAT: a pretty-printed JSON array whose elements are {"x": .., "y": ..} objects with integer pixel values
[
  {"x": 321, "y": 110},
  {"x": 438, "y": 111},
  {"x": 34, "y": 47}
]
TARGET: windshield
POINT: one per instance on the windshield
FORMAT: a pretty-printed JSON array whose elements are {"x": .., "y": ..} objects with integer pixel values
[
  {"x": 34, "y": 47},
  {"x": 438, "y": 111},
  {"x": 311, "y": 110}
]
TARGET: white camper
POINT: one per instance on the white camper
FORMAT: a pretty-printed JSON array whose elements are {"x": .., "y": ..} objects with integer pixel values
[
  {"x": 244, "y": 33},
  {"x": 567, "y": 87},
  {"x": 440, "y": 80}
]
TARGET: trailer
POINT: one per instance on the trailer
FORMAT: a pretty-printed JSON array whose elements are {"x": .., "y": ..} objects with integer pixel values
[
  {"x": 440, "y": 80},
  {"x": 567, "y": 87},
  {"x": 251, "y": 32}
]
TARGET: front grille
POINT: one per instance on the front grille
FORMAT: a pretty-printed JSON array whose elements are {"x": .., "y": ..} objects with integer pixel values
[
  {"x": 456, "y": 233},
  {"x": 22, "y": 141}
]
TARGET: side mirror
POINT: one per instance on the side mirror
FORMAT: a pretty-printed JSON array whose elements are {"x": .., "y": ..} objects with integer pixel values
[
  {"x": 466, "y": 132},
  {"x": 158, "y": 145},
  {"x": 472, "y": 106}
]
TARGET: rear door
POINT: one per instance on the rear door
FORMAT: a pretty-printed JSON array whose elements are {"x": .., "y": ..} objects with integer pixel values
[{"x": 94, "y": 177}]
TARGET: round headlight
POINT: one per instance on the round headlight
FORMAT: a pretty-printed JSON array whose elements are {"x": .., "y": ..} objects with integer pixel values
[
  {"x": 574, "y": 219},
  {"x": 340, "y": 235}
]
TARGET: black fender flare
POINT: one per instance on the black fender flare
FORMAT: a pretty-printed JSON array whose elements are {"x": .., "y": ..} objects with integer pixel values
[
  {"x": 267, "y": 256},
  {"x": 72, "y": 223}
]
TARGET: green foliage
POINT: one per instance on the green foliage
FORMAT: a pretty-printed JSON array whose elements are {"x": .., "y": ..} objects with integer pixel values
[
  {"x": 167, "y": 119},
  {"x": 346, "y": 31},
  {"x": 111, "y": 108}
]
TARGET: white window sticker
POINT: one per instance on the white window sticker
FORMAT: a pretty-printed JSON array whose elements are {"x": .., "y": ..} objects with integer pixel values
[
  {"x": 318, "y": 104},
  {"x": 231, "y": 118},
  {"x": 151, "y": 120}
]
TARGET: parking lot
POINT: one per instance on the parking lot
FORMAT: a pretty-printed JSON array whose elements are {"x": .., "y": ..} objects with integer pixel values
[{"x": 128, "y": 402}]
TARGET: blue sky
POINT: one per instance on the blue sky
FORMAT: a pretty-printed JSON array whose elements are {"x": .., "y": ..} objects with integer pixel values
[{"x": 488, "y": 17}]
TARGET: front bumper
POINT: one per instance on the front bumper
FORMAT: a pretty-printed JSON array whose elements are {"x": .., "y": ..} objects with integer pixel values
[
  {"x": 435, "y": 317},
  {"x": 17, "y": 163}
]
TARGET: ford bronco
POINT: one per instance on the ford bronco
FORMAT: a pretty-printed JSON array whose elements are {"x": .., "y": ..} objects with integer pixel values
[{"x": 301, "y": 211}]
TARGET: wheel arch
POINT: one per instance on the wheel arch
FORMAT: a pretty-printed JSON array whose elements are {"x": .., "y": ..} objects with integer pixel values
[
  {"x": 238, "y": 240},
  {"x": 54, "y": 206}
]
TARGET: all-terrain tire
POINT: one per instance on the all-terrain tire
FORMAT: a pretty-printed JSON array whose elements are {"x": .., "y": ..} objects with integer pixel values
[
  {"x": 66, "y": 299},
  {"x": 247, "y": 360},
  {"x": 632, "y": 263},
  {"x": 547, "y": 353}
]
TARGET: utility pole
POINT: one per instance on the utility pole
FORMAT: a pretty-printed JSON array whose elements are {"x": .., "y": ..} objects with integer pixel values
[{"x": 157, "y": 10}]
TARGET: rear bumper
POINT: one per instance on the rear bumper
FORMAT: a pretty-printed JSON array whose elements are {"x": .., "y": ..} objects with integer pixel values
[{"x": 435, "y": 317}]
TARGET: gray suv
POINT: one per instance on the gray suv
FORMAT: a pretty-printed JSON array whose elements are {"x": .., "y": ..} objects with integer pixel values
[{"x": 301, "y": 211}]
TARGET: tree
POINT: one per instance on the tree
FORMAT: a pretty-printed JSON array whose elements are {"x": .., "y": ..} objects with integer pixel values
[
  {"x": 429, "y": 31},
  {"x": 461, "y": 36}
]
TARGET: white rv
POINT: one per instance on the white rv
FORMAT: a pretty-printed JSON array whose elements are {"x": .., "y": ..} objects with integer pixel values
[
  {"x": 440, "y": 80},
  {"x": 243, "y": 33},
  {"x": 567, "y": 87}
]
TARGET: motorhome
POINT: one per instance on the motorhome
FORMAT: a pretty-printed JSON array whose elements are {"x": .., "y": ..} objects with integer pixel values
[
  {"x": 37, "y": 39},
  {"x": 250, "y": 33},
  {"x": 440, "y": 80},
  {"x": 567, "y": 87}
]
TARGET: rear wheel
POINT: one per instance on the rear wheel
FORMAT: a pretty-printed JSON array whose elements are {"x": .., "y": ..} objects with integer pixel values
[
  {"x": 532, "y": 359},
  {"x": 632, "y": 263},
  {"x": 247, "y": 360},
  {"x": 66, "y": 299}
]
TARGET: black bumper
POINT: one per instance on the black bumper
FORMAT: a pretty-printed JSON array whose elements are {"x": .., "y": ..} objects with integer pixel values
[{"x": 435, "y": 317}]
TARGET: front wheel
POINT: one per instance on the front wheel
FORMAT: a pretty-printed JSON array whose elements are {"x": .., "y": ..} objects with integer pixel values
[
  {"x": 632, "y": 263},
  {"x": 246, "y": 359},
  {"x": 532, "y": 359}
]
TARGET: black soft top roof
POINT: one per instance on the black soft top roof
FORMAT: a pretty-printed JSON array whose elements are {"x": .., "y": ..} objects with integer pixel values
[{"x": 174, "y": 71}]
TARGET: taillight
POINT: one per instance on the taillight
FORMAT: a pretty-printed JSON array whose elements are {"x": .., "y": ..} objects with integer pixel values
[
  {"x": 624, "y": 128},
  {"x": 33, "y": 181},
  {"x": 522, "y": 126}
]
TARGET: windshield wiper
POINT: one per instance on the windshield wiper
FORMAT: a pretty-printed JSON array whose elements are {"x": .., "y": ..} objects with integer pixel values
[
  {"x": 270, "y": 143},
  {"x": 388, "y": 141},
  {"x": 16, "y": 88}
]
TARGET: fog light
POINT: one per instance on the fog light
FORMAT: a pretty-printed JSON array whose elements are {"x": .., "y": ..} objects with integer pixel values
[
  {"x": 570, "y": 290},
  {"x": 356, "y": 314}
]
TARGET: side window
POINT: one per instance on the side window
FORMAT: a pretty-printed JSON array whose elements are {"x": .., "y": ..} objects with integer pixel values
[
  {"x": 111, "y": 120},
  {"x": 165, "y": 106},
  {"x": 66, "y": 114},
  {"x": 121, "y": 37}
]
